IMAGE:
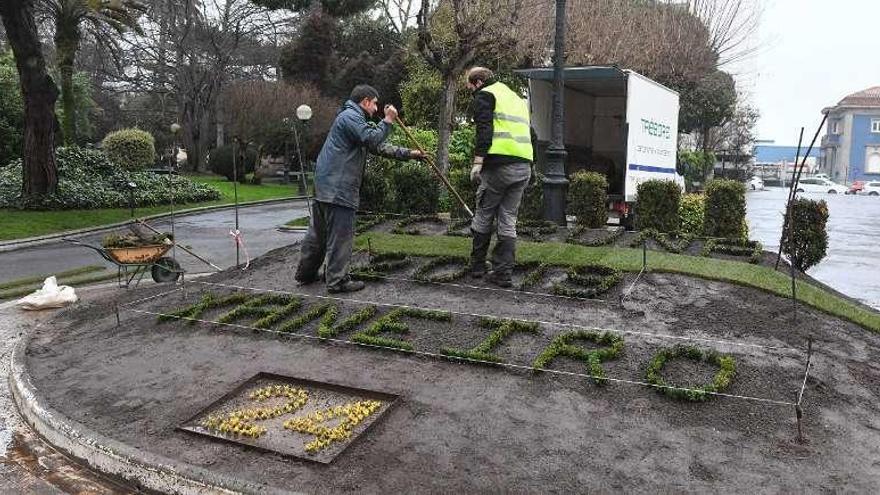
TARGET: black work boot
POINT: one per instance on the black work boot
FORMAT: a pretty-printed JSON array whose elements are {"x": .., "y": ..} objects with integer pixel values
[
  {"x": 503, "y": 258},
  {"x": 346, "y": 286},
  {"x": 478, "y": 253},
  {"x": 304, "y": 275}
]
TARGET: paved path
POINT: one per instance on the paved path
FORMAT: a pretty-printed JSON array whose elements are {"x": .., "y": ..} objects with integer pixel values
[
  {"x": 27, "y": 464},
  {"x": 206, "y": 233}
]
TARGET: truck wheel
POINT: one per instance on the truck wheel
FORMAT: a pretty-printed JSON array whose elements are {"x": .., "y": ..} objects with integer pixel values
[{"x": 832, "y": 191}]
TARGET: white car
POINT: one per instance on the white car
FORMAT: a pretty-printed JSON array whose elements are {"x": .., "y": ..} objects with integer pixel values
[
  {"x": 756, "y": 184},
  {"x": 814, "y": 185},
  {"x": 871, "y": 188}
]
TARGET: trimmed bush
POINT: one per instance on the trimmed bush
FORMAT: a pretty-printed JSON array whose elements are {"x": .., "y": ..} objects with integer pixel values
[
  {"x": 461, "y": 181},
  {"x": 220, "y": 162},
  {"x": 808, "y": 242},
  {"x": 87, "y": 179},
  {"x": 374, "y": 189},
  {"x": 588, "y": 198},
  {"x": 131, "y": 149},
  {"x": 532, "y": 205},
  {"x": 415, "y": 189},
  {"x": 691, "y": 211},
  {"x": 657, "y": 205},
  {"x": 725, "y": 209}
]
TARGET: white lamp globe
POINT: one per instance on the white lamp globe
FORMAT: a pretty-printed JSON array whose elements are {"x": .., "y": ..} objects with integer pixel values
[
  {"x": 175, "y": 128},
  {"x": 303, "y": 112}
]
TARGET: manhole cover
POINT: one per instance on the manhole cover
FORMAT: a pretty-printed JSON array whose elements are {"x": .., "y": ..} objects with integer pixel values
[{"x": 293, "y": 417}]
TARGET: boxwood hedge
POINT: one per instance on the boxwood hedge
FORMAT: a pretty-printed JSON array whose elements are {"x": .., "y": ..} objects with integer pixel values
[{"x": 88, "y": 179}]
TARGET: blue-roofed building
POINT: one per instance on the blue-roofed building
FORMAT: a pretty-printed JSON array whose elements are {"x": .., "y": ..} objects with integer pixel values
[
  {"x": 851, "y": 146},
  {"x": 771, "y": 154}
]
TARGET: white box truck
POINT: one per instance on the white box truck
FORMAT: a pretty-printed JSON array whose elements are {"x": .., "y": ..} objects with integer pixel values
[{"x": 617, "y": 122}]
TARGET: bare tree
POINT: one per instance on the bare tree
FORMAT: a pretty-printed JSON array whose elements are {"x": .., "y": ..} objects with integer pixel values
[
  {"x": 732, "y": 25},
  {"x": 398, "y": 13},
  {"x": 451, "y": 34},
  {"x": 190, "y": 50},
  {"x": 665, "y": 36}
]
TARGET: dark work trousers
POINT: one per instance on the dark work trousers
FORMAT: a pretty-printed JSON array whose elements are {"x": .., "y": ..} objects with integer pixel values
[
  {"x": 331, "y": 234},
  {"x": 498, "y": 198}
]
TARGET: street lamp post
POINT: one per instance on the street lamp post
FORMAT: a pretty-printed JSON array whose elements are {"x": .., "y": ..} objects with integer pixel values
[
  {"x": 304, "y": 114},
  {"x": 175, "y": 130},
  {"x": 287, "y": 157},
  {"x": 555, "y": 181}
]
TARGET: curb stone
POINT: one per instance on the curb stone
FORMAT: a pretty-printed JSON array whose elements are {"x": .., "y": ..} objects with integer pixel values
[
  {"x": 16, "y": 244},
  {"x": 111, "y": 457}
]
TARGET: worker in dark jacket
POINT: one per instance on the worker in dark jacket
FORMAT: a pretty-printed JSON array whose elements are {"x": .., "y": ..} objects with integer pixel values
[
  {"x": 338, "y": 175},
  {"x": 502, "y": 165}
]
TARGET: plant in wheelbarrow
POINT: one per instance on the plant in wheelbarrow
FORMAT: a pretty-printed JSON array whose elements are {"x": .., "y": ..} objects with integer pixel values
[{"x": 144, "y": 250}]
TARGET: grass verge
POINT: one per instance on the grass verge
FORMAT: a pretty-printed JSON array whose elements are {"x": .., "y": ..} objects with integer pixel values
[
  {"x": 630, "y": 260},
  {"x": 302, "y": 222},
  {"x": 20, "y": 224},
  {"x": 38, "y": 279},
  {"x": 74, "y": 278}
]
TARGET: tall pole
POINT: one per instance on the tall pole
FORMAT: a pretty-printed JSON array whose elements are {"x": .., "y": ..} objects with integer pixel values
[{"x": 555, "y": 182}]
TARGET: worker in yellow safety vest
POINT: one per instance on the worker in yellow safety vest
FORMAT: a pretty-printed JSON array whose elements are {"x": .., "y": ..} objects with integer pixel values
[{"x": 503, "y": 154}]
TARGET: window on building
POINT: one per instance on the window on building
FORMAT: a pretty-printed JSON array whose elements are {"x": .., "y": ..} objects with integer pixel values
[
  {"x": 835, "y": 127},
  {"x": 875, "y": 125},
  {"x": 872, "y": 160}
]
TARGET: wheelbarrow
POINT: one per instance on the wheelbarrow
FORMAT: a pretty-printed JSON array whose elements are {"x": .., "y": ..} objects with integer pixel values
[{"x": 132, "y": 263}]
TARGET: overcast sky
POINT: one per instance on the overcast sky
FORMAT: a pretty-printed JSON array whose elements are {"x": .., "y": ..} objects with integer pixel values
[{"x": 812, "y": 53}]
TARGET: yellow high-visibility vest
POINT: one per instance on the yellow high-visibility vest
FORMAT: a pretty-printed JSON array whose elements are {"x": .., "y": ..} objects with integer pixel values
[{"x": 511, "y": 129}]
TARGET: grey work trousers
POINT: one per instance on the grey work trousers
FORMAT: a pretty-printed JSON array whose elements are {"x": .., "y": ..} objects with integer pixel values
[
  {"x": 330, "y": 235},
  {"x": 499, "y": 195}
]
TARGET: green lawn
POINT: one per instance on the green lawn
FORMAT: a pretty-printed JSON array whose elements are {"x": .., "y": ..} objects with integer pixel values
[
  {"x": 630, "y": 260},
  {"x": 18, "y": 224}
]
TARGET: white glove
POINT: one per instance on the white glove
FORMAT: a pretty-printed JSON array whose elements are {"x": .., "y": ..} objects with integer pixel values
[{"x": 475, "y": 170}]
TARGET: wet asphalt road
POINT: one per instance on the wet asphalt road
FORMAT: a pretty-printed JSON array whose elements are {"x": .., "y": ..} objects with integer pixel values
[
  {"x": 852, "y": 264},
  {"x": 207, "y": 234}
]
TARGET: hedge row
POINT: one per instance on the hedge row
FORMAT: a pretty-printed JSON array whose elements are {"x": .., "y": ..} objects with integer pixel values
[{"x": 88, "y": 179}]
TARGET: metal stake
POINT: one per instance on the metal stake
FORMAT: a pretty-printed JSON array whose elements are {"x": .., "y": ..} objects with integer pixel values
[{"x": 236, "y": 147}]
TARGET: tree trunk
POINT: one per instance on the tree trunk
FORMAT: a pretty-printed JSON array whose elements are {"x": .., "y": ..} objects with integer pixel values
[
  {"x": 444, "y": 127},
  {"x": 39, "y": 174},
  {"x": 66, "y": 46}
]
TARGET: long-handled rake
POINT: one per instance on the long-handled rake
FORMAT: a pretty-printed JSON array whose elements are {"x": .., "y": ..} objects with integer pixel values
[{"x": 433, "y": 165}]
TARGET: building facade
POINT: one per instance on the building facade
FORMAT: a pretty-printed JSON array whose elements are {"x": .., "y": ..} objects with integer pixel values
[{"x": 851, "y": 145}]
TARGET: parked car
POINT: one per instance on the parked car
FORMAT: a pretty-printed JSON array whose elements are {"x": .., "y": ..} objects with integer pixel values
[
  {"x": 856, "y": 187},
  {"x": 756, "y": 184},
  {"x": 820, "y": 186},
  {"x": 871, "y": 188}
]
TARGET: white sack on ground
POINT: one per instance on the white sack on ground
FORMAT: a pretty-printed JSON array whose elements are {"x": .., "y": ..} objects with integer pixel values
[{"x": 50, "y": 296}]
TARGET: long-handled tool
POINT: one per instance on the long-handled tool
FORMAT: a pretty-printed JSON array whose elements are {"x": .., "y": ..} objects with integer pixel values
[
  {"x": 434, "y": 167},
  {"x": 194, "y": 255}
]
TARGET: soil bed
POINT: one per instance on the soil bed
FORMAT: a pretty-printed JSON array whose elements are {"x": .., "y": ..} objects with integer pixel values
[{"x": 465, "y": 427}]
